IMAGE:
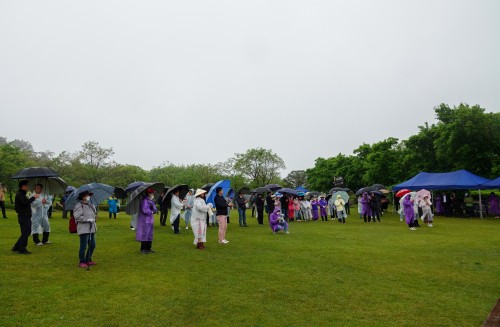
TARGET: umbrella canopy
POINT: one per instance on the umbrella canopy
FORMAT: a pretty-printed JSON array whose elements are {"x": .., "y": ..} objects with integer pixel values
[
  {"x": 101, "y": 193},
  {"x": 313, "y": 193},
  {"x": 336, "y": 189},
  {"x": 244, "y": 190},
  {"x": 35, "y": 172},
  {"x": 273, "y": 187},
  {"x": 226, "y": 186},
  {"x": 301, "y": 189},
  {"x": 120, "y": 193},
  {"x": 231, "y": 194},
  {"x": 133, "y": 186},
  {"x": 402, "y": 192},
  {"x": 51, "y": 185},
  {"x": 167, "y": 198},
  {"x": 207, "y": 186},
  {"x": 412, "y": 195},
  {"x": 262, "y": 190},
  {"x": 367, "y": 189},
  {"x": 423, "y": 193},
  {"x": 343, "y": 195},
  {"x": 378, "y": 187},
  {"x": 70, "y": 189},
  {"x": 288, "y": 191},
  {"x": 136, "y": 197},
  {"x": 377, "y": 193}
]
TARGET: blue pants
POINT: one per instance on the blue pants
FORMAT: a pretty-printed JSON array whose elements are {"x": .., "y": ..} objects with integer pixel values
[
  {"x": 87, "y": 246},
  {"x": 242, "y": 213}
]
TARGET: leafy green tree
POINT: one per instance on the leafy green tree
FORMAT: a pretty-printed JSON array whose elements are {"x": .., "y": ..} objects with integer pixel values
[
  {"x": 260, "y": 166},
  {"x": 295, "y": 178},
  {"x": 95, "y": 159},
  {"x": 12, "y": 159}
]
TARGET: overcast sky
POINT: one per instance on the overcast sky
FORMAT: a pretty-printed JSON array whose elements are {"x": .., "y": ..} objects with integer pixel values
[{"x": 197, "y": 81}]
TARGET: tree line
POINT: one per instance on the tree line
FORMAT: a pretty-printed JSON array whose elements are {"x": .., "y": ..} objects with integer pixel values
[{"x": 464, "y": 137}]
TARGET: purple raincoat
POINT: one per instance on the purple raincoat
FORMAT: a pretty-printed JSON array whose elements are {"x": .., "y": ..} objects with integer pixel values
[
  {"x": 322, "y": 207},
  {"x": 274, "y": 220},
  {"x": 365, "y": 201},
  {"x": 408, "y": 210},
  {"x": 494, "y": 208},
  {"x": 314, "y": 206},
  {"x": 145, "y": 220},
  {"x": 438, "y": 203}
]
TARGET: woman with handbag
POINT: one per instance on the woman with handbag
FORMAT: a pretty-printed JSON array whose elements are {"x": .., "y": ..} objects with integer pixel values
[{"x": 85, "y": 217}]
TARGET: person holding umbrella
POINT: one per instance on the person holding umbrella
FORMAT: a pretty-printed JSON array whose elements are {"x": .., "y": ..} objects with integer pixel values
[
  {"x": 39, "y": 218},
  {"x": 23, "y": 210},
  {"x": 408, "y": 211},
  {"x": 198, "y": 219},
  {"x": 145, "y": 221},
  {"x": 242, "y": 210},
  {"x": 365, "y": 205},
  {"x": 426, "y": 204},
  {"x": 322, "y": 207},
  {"x": 175, "y": 210},
  {"x": 221, "y": 206},
  {"x": 85, "y": 217},
  {"x": 189, "y": 207}
]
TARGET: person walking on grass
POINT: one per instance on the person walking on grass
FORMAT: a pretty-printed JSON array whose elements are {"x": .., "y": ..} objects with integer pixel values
[
  {"x": 408, "y": 211},
  {"x": 112, "y": 206},
  {"x": 242, "y": 210},
  {"x": 3, "y": 190},
  {"x": 189, "y": 208},
  {"x": 23, "y": 210},
  {"x": 198, "y": 219},
  {"x": 85, "y": 217},
  {"x": 322, "y": 207},
  {"x": 426, "y": 204},
  {"x": 145, "y": 222},
  {"x": 340, "y": 206},
  {"x": 221, "y": 206},
  {"x": 175, "y": 211},
  {"x": 277, "y": 223},
  {"x": 40, "y": 218}
]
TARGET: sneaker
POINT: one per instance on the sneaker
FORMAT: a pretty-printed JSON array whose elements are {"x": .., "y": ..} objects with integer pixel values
[
  {"x": 430, "y": 225},
  {"x": 225, "y": 241},
  {"x": 172, "y": 227},
  {"x": 221, "y": 242},
  {"x": 132, "y": 228},
  {"x": 91, "y": 263},
  {"x": 39, "y": 244},
  {"x": 187, "y": 227},
  {"x": 413, "y": 228},
  {"x": 47, "y": 242},
  {"x": 83, "y": 265},
  {"x": 287, "y": 232}
]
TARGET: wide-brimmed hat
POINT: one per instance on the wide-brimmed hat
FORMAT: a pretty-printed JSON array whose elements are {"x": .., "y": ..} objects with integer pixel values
[
  {"x": 199, "y": 192},
  {"x": 322, "y": 196}
]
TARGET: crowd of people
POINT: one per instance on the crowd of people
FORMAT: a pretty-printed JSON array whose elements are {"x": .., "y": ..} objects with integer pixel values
[{"x": 281, "y": 209}]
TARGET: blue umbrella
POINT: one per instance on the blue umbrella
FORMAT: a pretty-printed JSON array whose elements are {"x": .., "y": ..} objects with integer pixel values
[
  {"x": 288, "y": 191},
  {"x": 231, "y": 194},
  {"x": 70, "y": 189},
  {"x": 133, "y": 186},
  {"x": 226, "y": 186},
  {"x": 301, "y": 189},
  {"x": 100, "y": 193}
]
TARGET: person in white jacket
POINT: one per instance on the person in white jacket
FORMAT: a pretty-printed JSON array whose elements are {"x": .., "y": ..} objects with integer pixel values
[
  {"x": 198, "y": 219},
  {"x": 175, "y": 211},
  {"x": 425, "y": 204},
  {"x": 40, "y": 218}
]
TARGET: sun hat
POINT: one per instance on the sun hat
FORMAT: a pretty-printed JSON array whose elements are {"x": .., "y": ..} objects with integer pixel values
[{"x": 199, "y": 192}]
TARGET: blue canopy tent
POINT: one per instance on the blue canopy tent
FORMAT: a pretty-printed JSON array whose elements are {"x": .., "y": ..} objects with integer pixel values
[
  {"x": 226, "y": 186},
  {"x": 495, "y": 183},
  {"x": 301, "y": 189},
  {"x": 455, "y": 180}
]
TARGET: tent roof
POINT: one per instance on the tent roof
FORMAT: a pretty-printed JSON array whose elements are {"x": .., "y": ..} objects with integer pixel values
[
  {"x": 491, "y": 184},
  {"x": 455, "y": 180}
]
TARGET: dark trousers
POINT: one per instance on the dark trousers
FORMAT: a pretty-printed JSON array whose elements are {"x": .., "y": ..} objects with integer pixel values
[
  {"x": 87, "y": 246},
  {"x": 176, "y": 224},
  {"x": 36, "y": 238},
  {"x": 163, "y": 217},
  {"x": 2, "y": 205},
  {"x": 260, "y": 215},
  {"x": 49, "y": 213},
  {"x": 25, "y": 224},
  {"x": 112, "y": 214},
  {"x": 146, "y": 245},
  {"x": 65, "y": 214}
]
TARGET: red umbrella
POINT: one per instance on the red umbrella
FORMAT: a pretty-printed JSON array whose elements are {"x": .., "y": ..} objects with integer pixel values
[{"x": 402, "y": 192}]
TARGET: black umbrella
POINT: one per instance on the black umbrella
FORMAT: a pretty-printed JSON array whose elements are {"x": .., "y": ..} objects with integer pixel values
[
  {"x": 367, "y": 189},
  {"x": 262, "y": 190},
  {"x": 207, "y": 186},
  {"x": 244, "y": 190},
  {"x": 378, "y": 187},
  {"x": 120, "y": 193},
  {"x": 183, "y": 190},
  {"x": 133, "y": 186},
  {"x": 336, "y": 189},
  {"x": 35, "y": 172},
  {"x": 273, "y": 187},
  {"x": 136, "y": 197}
]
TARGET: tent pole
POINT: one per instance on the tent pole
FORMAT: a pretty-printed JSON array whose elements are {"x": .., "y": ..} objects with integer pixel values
[{"x": 480, "y": 206}]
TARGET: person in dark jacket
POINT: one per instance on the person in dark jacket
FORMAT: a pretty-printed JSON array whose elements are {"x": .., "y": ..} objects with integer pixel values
[
  {"x": 259, "y": 203},
  {"x": 375, "y": 205},
  {"x": 270, "y": 204},
  {"x": 242, "y": 210},
  {"x": 23, "y": 210},
  {"x": 221, "y": 206}
]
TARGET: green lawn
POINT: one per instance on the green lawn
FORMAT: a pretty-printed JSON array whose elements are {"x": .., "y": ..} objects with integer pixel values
[{"x": 322, "y": 274}]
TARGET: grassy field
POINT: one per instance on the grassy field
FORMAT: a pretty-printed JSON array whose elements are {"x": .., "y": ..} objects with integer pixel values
[{"x": 321, "y": 274}]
